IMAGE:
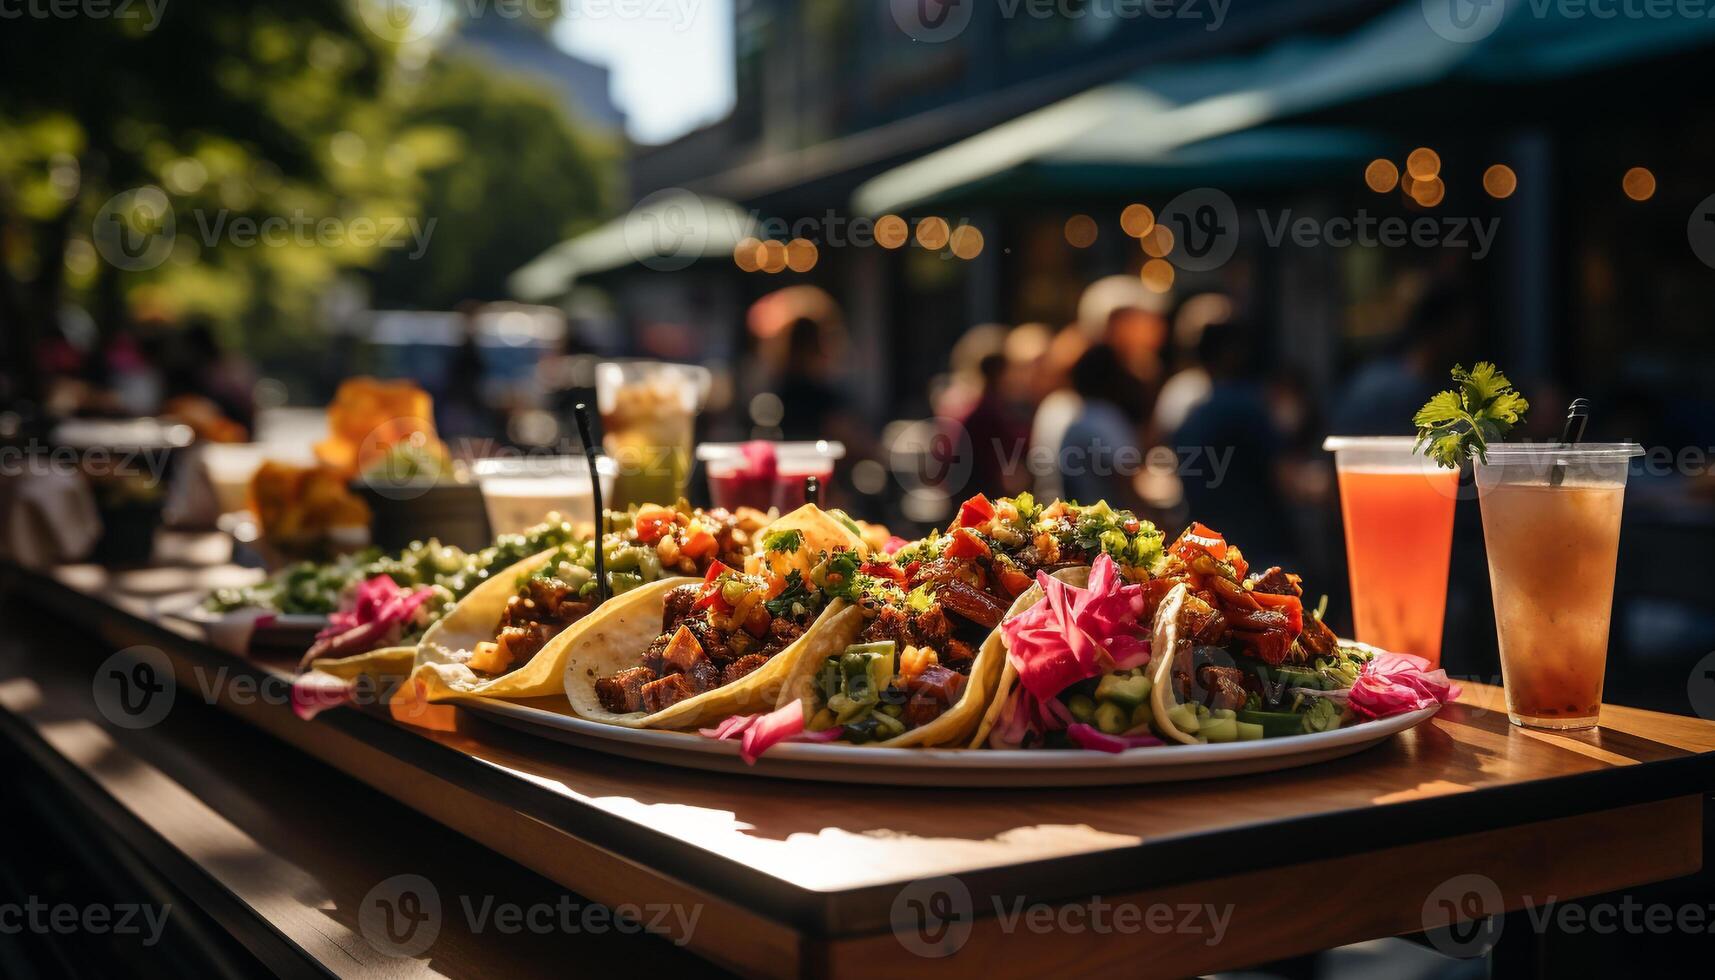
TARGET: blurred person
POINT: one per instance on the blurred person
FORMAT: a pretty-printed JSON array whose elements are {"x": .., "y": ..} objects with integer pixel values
[
  {"x": 1099, "y": 455},
  {"x": 965, "y": 382},
  {"x": 1188, "y": 386},
  {"x": 1387, "y": 391},
  {"x": 462, "y": 411},
  {"x": 994, "y": 434},
  {"x": 1230, "y": 450},
  {"x": 198, "y": 364},
  {"x": 1129, "y": 317},
  {"x": 1058, "y": 405}
]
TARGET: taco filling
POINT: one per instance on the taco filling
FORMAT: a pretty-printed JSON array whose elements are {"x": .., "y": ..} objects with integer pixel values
[
  {"x": 713, "y": 633},
  {"x": 645, "y": 545}
]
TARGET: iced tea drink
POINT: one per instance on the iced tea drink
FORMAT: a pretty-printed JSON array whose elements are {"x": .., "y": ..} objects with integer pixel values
[
  {"x": 1398, "y": 511},
  {"x": 1551, "y": 526}
]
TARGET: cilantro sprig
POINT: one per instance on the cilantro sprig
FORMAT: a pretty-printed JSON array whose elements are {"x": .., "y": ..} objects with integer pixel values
[
  {"x": 783, "y": 541},
  {"x": 1459, "y": 424}
]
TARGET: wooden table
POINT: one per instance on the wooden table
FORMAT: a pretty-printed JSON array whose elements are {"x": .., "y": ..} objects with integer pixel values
[{"x": 779, "y": 878}]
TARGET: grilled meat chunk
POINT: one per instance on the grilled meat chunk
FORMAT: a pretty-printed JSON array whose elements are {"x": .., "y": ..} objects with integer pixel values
[
  {"x": 658, "y": 695},
  {"x": 931, "y": 693},
  {"x": 1223, "y": 687},
  {"x": 742, "y": 666},
  {"x": 1316, "y": 639},
  {"x": 962, "y": 599},
  {"x": 623, "y": 692},
  {"x": 1277, "y": 581}
]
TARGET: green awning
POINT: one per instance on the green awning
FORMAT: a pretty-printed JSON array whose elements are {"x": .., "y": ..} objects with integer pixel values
[
  {"x": 1146, "y": 127},
  {"x": 666, "y": 231}
]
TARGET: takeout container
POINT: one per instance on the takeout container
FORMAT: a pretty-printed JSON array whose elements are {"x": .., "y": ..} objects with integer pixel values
[
  {"x": 518, "y": 491},
  {"x": 403, "y": 511},
  {"x": 740, "y": 476}
]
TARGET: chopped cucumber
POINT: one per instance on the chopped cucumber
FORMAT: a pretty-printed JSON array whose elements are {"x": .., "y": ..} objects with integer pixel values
[
  {"x": 1142, "y": 715},
  {"x": 1222, "y": 713},
  {"x": 1184, "y": 718},
  {"x": 1082, "y": 707},
  {"x": 1220, "y": 730},
  {"x": 1248, "y": 732},
  {"x": 1111, "y": 718},
  {"x": 1125, "y": 690},
  {"x": 1274, "y": 724}
]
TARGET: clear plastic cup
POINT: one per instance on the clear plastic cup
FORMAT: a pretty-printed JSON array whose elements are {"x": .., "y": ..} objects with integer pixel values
[
  {"x": 519, "y": 491},
  {"x": 1398, "y": 511},
  {"x": 742, "y": 476},
  {"x": 1551, "y": 526},
  {"x": 648, "y": 414}
]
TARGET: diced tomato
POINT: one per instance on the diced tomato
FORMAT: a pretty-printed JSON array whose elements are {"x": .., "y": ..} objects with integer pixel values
[
  {"x": 1013, "y": 580},
  {"x": 1199, "y": 539},
  {"x": 652, "y": 523},
  {"x": 976, "y": 511},
  {"x": 966, "y": 545},
  {"x": 711, "y": 597},
  {"x": 699, "y": 544},
  {"x": 883, "y": 569},
  {"x": 1291, "y": 605},
  {"x": 716, "y": 570}
]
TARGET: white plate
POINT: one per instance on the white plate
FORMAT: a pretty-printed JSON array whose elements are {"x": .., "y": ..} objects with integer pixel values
[{"x": 952, "y": 767}]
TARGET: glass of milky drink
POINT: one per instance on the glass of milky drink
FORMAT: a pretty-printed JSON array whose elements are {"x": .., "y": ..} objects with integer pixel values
[
  {"x": 648, "y": 412},
  {"x": 1551, "y": 525}
]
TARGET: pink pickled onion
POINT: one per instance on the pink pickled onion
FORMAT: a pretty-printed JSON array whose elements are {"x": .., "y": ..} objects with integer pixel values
[
  {"x": 893, "y": 544},
  {"x": 380, "y": 609},
  {"x": 760, "y": 732},
  {"x": 1100, "y": 741},
  {"x": 315, "y": 692},
  {"x": 1395, "y": 683},
  {"x": 1077, "y": 633}
]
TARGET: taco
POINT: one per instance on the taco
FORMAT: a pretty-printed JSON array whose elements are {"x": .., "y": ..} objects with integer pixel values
[
  {"x": 677, "y": 655},
  {"x": 928, "y": 660},
  {"x": 498, "y": 641},
  {"x": 1201, "y": 651}
]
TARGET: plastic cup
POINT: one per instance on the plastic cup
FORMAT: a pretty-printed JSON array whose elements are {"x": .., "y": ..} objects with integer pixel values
[
  {"x": 518, "y": 492},
  {"x": 1551, "y": 526},
  {"x": 648, "y": 414},
  {"x": 741, "y": 476},
  {"x": 1398, "y": 511}
]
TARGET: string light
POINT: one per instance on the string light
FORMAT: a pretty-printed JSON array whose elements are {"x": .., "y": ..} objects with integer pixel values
[
  {"x": 1423, "y": 163},
  {"x": 1136, "y": 220},
  {"x": 1638, "y": 183},
  {"x": 1159, "y": 242},
  {"x": 932, "y": 233},
  {"x": 1157, "y": 275},
  {"x": 748, "y": 254},
  {"x": 1500, "y": 181},
  {"x": 967, "y": 242},
  {"x": 891, "y": 231},
  {"x": 1080, "y": 231},
  {"x": 773, "y": 257},
  {"x": 801, "y": 255}
]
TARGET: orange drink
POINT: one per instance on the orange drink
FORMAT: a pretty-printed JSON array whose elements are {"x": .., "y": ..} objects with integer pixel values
[
  {"x": 1398, "y": 511},
  {"x": 1551, "y": 525}
]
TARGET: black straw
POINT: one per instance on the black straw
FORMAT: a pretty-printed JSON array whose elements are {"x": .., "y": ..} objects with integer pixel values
[
  {"x": 813, "y": 490},
  {"x": 591, "y": 451},
  {"x": 1577, "y": 417}
]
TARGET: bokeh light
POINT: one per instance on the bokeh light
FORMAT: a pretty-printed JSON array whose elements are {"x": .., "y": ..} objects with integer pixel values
[
  {"x": 801, "y": 255},
  {"x": 932, "y": 233},
  {"x": 773, "y": 256},
  {"x": 747, "y": 254},
  {"x": 891, "y": 231},
  {"x": 1080, "y": 231},
  {"x": 1428, "y": 192},
  {"x": 1500, "y": 181},
  {"x": 1159, "y": 242},
  {"x": 1157, "y": 275},
  {"x": 1381, "y": 176},
  {"x": 1136, "y": 220},
  {"x": 1638, "y": 183},
  {"x": 967, "y": 242},
  {"x": 1423, "y": 163}
]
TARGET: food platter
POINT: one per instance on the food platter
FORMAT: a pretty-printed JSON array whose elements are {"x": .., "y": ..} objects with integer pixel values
[{"x": 963, "y": 768}]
